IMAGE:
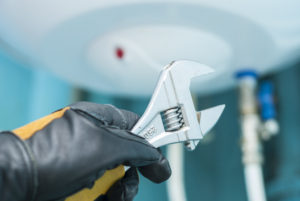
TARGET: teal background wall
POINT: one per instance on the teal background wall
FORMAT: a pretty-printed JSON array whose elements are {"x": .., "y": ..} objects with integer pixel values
[
  {"x": 15, "y": 80},
  {"x": 213, "y": 172},
  {"x": 28, "y": 94}
]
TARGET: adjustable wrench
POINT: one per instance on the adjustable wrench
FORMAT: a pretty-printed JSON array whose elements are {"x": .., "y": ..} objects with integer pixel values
[{"x": 169, "y": 118}]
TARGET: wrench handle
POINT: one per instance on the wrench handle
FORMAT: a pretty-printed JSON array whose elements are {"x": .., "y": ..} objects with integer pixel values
[{"x": 100, "y": 187}]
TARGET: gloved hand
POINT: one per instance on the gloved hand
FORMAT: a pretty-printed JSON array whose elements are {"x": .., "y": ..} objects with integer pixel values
[{"x": 62, "y": 153}]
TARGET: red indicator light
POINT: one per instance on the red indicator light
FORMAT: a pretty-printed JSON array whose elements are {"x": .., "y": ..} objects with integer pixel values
[{"x": 119, "y": 53}]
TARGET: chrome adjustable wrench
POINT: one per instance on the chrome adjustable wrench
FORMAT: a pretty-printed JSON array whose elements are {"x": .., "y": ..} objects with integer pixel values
[{"x": 169, "y": 118}]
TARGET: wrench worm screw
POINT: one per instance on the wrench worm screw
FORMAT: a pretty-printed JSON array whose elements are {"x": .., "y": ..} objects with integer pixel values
[{"x": 172, "y": 119}]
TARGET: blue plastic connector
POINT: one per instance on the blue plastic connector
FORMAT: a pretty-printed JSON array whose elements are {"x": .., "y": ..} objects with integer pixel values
[
  {"x": 246, "y": 73},
  {"x": 266, "y": 100}
]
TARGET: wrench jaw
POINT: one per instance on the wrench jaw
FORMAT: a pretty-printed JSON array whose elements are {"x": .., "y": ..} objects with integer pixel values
[
  {"x": 207, "y": 119},
  {"x": 184, "y": 70}
]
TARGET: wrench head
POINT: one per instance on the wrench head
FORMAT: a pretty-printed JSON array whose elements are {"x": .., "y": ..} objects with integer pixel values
[
  {"x": 180, "y": 74},
  {"x": 171, "y": 116}
]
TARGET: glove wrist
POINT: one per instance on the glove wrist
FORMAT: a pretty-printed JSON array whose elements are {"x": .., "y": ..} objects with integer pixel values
[{"x": 17, "y": 170}]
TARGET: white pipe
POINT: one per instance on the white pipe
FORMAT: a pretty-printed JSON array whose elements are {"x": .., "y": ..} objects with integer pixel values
[
  {"x": 254, "y": 182},
  {"x": 175, "y": 185},
  {"x": 251, "y": 142},
  {"x": 252, "y": 158}
]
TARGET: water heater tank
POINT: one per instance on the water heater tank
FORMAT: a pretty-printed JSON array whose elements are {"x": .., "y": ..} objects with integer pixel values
[{"x": 119, "y": 46}]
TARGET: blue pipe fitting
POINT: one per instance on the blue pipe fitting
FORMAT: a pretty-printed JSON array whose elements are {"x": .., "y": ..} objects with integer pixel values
[
  {"x": 266, "y": 100},
  {"x": 246, "y": 73}
]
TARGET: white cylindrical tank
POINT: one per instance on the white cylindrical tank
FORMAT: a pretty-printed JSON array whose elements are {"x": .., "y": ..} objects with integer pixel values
[{"x": 82, "y": 41}]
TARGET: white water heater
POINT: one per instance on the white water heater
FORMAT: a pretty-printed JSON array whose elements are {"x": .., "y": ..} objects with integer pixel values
[{"x": 119, "y": 46}]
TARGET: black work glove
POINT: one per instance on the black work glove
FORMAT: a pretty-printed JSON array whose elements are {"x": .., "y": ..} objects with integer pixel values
[
  {"x": 123, "y": 190},
  {"x": 68, "y": 150},
  {"x": 126, "y": 188}
]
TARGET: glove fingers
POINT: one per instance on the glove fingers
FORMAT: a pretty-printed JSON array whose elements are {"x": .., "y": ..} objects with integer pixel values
[
  {"x": 131, "y": 117},
  {"x": 107, "y": 114},
  {"x": 130, "y": 149},
  {"x": 125, "y": 189},
  {"x": 157, "y": 172}
]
